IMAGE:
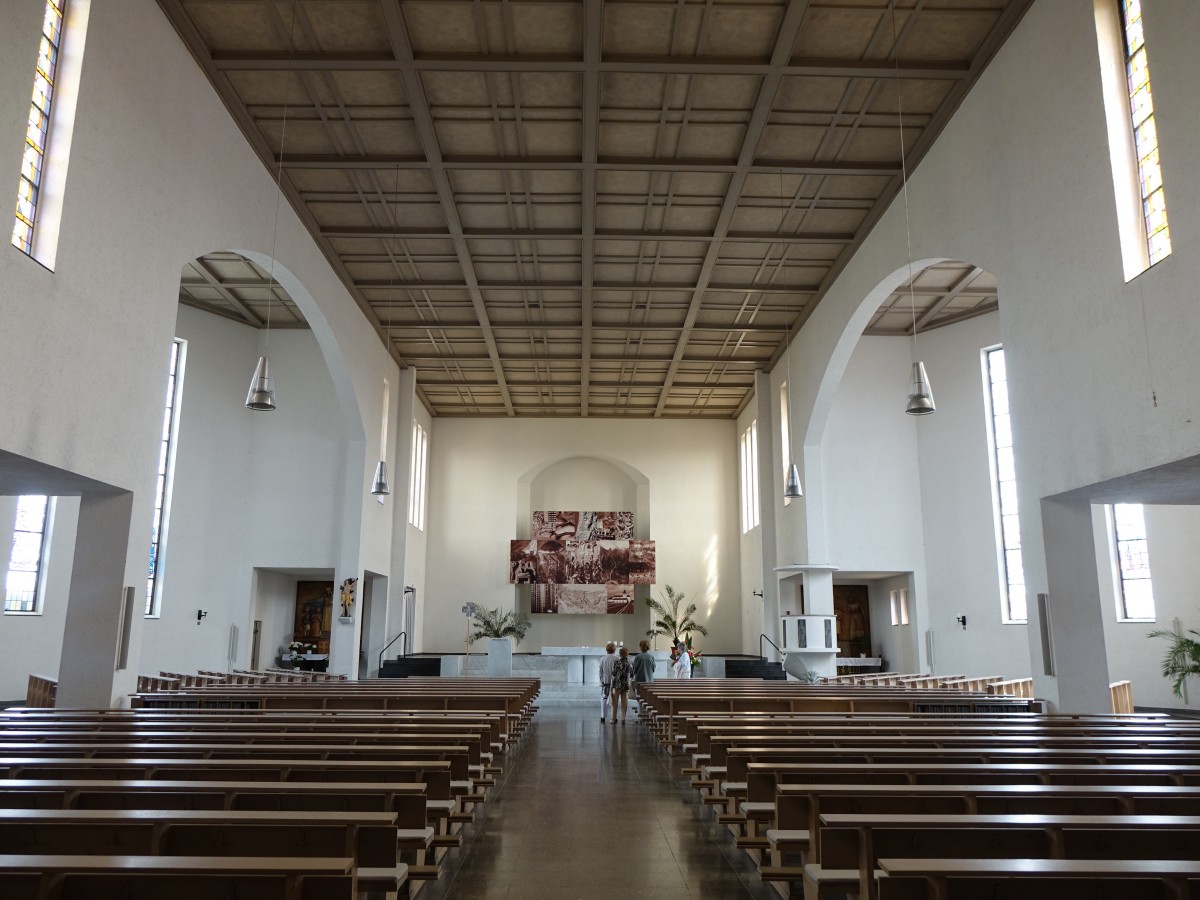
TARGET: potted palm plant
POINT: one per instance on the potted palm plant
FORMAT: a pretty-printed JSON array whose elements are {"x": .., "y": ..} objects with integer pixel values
[
  {"x": 492, "y": 623},
  {"x": 671, "y": 618},
  {"x": 1182, "y": 657}
]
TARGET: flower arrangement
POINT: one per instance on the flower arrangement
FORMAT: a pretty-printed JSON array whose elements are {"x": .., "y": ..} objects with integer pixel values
[{"x": 297, "y": 649}]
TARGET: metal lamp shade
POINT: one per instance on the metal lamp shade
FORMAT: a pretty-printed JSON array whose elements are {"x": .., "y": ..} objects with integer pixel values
[
  {"x": 380, "y": 486},
  {"x": 262, "y": 395},
  {"x": 920, "y": 396},
  {"x": 791, "y": 487}
]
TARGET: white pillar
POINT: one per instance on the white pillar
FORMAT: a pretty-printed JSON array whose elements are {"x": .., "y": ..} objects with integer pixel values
[
  {"x": 87, "y": 675},
  {"x": 1076, "y": 620}
]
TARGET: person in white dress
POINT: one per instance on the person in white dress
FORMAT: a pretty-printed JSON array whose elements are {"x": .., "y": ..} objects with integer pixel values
[{"x": 682, "y": 667}]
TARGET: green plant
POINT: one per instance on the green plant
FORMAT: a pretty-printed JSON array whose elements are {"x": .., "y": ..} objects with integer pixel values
[
  {"x": 1182, "y": 658},
  {"x": 492, "y": 623},
  {"x": 669, "y": 620}
]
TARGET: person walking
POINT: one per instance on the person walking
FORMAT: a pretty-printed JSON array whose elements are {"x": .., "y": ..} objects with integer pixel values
[
  {"x": 622, "y": 678},
  {"x": 606, "y": 670},
  {"x": 643, "y": 668}
]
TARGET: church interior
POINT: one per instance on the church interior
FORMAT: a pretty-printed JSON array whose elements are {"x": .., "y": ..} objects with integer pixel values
[{"x": 866, "y": 325}]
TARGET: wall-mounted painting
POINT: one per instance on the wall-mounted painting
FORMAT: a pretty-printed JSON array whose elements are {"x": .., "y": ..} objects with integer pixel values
[
  {"x": 581, "y": 562},
  {"x": 314, "y": 613}
]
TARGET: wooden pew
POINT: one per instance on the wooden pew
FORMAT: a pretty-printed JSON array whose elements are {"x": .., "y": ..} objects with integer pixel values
[
  {"x": 856, "y": 841},
  {"x": 370, "y": 840},
  {"x": 177, "y": 877},
  {"x": 1037, "y": 879}
]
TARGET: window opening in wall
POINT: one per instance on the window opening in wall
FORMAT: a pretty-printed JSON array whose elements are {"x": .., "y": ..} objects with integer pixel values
[
  {"x": 899, "y": 601},
  {"x": 22, "y": 584},
  {"x": 1135, "y": 601},
  {"x": 1145, "y": 132},
  {"x": 1004, "y": 487},
  {"x": 37, "y": 131},
  {"x": 162, "y": 489},
  {"x": 418, "y": 468},
  {"x": 749, "y": 473},
  {"x": 785, "y": 442}
]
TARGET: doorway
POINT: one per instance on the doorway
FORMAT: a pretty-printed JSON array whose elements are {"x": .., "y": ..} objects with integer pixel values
[{"x": 852, "y": 606}]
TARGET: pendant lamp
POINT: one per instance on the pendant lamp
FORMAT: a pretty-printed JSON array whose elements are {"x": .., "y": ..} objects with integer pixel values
[
  {"x": 791, "y": 485},
  {"x": 261, "y": 396},
  {"x": 379, "y": 485},
  {"x": 920, "y": 396}
]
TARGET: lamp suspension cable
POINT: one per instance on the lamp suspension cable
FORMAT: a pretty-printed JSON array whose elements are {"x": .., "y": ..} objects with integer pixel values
[
  {"x": 379, "y": 484},
  {"x": 261, "y": 396},
  {"x": 920, "y": 395},
  {"x": 791, "y": 485}
]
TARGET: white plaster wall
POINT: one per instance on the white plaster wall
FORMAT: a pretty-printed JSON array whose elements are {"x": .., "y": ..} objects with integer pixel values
[
  {"x": 897, "y": 644},
  {"x": 159, "y": 175},
  {"x": 33, "y": 643},
  {"x": 252, "y": 490},
  {"x": 1019, "y": 183},
  {"x": 474, "y": 500},
  {"x": 1172, "y": 533},
  {"x": 872, "y": 485},
  {"x": 962, "y": 566}
]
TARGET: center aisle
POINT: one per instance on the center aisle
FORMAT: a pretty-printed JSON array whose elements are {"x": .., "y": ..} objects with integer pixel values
[{"x": 596, "y": 811}]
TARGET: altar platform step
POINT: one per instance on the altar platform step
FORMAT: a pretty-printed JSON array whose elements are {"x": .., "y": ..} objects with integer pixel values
[{"x": 559, "y": 693}]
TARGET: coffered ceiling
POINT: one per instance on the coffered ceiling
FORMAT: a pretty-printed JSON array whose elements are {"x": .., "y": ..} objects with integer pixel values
[{"x": 577, "y": 207}]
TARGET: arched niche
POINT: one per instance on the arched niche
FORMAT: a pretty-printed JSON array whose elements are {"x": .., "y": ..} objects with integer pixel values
[{"x": 584, "y": 483}]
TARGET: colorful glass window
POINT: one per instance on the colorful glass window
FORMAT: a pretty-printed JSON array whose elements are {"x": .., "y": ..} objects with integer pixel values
[
  {"x": 37, "y": 132},
  {"x": 1145, "y": 133}
]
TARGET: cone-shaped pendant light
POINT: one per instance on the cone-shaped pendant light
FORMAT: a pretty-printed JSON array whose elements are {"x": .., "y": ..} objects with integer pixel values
[
  {"x": 791, "y": 485},
  {"x": 380, "y": 486},
  {"x": 920, "y": 397},
  {"x": 261, "y": 396},
  {"x": 791, "y": 488}
]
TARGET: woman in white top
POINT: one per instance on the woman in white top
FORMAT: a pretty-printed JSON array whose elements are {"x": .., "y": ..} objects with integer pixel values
[
  {"x": 682, "y": 667},
  {"x": 606, "y": 668}
]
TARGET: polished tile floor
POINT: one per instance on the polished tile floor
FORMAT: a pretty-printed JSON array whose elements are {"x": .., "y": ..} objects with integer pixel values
[{"x": 595, "y": 811}]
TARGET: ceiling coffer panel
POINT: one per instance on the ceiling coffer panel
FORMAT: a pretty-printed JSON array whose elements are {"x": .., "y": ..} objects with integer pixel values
[{"x": 589, "y": 207}]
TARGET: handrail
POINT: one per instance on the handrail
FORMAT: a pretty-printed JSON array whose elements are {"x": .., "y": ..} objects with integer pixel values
[
  {"x": 403, "y": 651},
  {"x": 763, "y": 637}
]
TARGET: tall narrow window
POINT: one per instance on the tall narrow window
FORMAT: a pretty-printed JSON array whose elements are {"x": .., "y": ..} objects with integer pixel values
[
  {"x": 1136, "y": 600},
  {"x": 1004, "y": 477},
  {"x": 37, "y": 131},
  {"x": 1145, "y": 134},
  {"x": 749, "y": 472},
  {"x": 418, "y": 467},
  {"x": 162, "y": 489},
  {"x": 899, "y": 601},
  {"x": 22, "y": 583}
]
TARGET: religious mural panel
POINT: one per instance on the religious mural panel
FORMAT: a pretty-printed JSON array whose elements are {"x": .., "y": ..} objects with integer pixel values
[{"x": 581, "y": 562}]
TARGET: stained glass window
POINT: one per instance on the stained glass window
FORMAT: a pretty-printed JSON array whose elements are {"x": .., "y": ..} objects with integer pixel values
[
  {"x": 28, "y": 548},
  {"x": 1145, "y": 133},
  {"x": 1133, "y": 561},
  {"x": 38, "y": 129},
  {"x": 1004, "y": 471},
  {"x": 158, "y": 525}
]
